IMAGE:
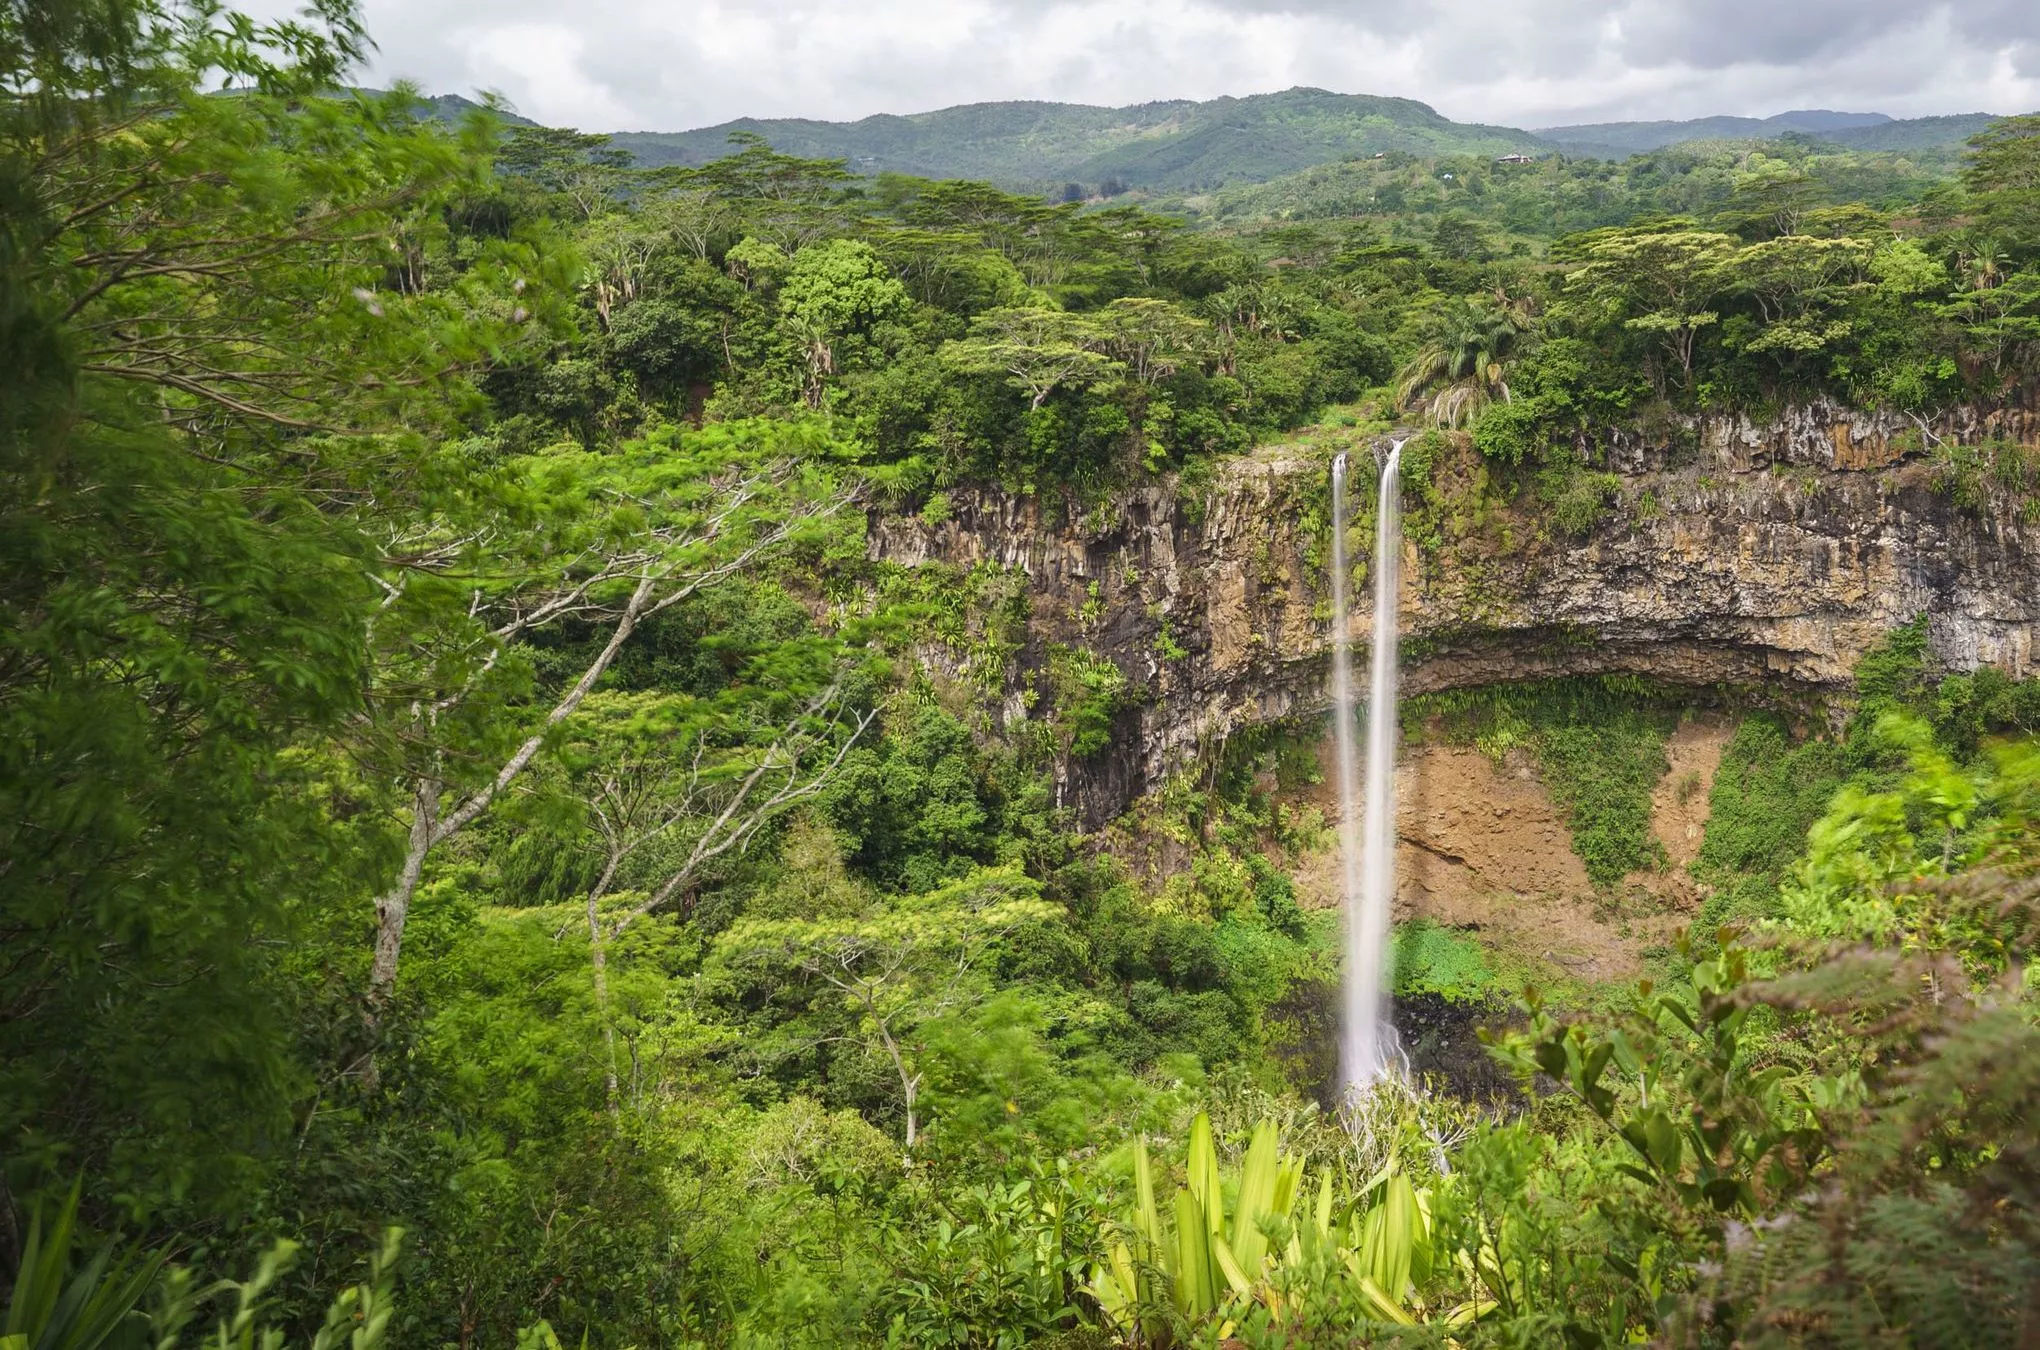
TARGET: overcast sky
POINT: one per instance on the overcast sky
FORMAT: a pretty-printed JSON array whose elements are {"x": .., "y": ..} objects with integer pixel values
[{"x": 664, "y": 65}]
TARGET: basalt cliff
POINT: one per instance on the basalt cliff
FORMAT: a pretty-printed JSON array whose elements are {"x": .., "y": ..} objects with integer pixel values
[{"x": 1730, "y": 552}]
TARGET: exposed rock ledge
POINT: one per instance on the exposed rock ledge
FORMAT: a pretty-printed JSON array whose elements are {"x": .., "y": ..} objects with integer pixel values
[{"x": 1770, "y": 553}]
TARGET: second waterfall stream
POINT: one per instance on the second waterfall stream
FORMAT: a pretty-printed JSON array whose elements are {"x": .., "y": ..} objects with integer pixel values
[{"x": 1368, "y": 1047}]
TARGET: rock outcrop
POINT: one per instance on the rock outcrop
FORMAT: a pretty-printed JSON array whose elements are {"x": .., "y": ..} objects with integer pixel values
[{"x": 1733, "y": 552}]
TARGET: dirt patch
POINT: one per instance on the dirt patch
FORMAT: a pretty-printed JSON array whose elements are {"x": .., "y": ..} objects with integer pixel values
[
  {"x": 1481, "y": 846},
  {"x": 1678, "y": 817},
  {"x": 1678, "y": 809},
  {"x": 1472, "y": 827}
]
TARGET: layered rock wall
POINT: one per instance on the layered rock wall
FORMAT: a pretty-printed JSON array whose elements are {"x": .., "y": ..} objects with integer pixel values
[{"x": 1735, "y": 552}]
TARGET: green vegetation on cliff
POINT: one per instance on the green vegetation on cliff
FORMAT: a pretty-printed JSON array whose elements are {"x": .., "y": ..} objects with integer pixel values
[
  {"x": 1769, "y": 790},
  {"x": 1599, "y": 745}
]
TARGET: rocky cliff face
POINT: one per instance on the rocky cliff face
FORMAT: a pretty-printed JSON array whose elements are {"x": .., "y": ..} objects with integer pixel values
[{"x": 1733, "y": 552}]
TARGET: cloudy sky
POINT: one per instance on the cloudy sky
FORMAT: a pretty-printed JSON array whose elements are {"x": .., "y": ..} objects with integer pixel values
[{"x": 608, "y": 65}]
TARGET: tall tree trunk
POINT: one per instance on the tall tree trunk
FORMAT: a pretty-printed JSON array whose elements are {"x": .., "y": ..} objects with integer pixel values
[
  {"x": 393, "y": 907},
  {"x": 429, "y": 829},
  {"x": 598, "y": 961},
  {"x": 910, "y": 1084}
]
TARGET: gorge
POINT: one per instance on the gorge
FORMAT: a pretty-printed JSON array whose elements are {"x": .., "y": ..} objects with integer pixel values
[
  {"x": 739, "y": 753},
  {"x": 1766, "y": 554}
]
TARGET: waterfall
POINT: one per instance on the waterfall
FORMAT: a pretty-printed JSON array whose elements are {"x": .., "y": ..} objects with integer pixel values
[{"x": 1368, "y": 1047}]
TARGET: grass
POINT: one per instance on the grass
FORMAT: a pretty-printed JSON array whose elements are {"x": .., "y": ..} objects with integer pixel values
[{"x": 1432, "y": 959}]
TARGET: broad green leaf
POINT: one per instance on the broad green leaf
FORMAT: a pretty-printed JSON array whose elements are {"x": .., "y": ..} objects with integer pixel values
[
  {"x": 1258, "y": 1176},
  {"x": 1196, "y": 1291}
]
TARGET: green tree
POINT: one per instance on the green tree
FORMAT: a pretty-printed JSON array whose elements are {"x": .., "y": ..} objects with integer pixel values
[
  {"x": 668, "y": 785},
  {"x": 620, "y": 538},
  {"x": 898, "y": 968},
  {"x": 2003, "y": 178},
  {"x": 1771, "y": 198},
  {"x": 833, "y": 294},
  {"x": 1151, "y": 337},
  {"x": 584, "y": 170},
  {"x": 220, "y": 372},
  {"x": 694, "y": 216},
  {"x": 1464, "y": 363},
  {"x": 1461, "y": 239},
  {"x": 681, "y": 331},
  {"x": 782, "y": 199},
  {"x": 1876, "y": 862},
  {"x": 620, "y": 251},
  {"x": 1038, "y": 350},
  {"x": 952, "y": 270},
  {"x": 1999, "y": 315},
  {"x": 1660, "y": 282},
  {"x": 1800, "y": 286}
]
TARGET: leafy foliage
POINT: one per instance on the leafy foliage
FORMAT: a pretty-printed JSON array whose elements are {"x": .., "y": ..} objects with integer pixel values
[
  {"x": 1745, "y": 1128},
  {"x": 220, "y": 386},
  {"x": 1432, "y": 959},
  {"x": 99, "y": 1305},
  {"x": 1768, "y": 791},
  {"x": 1283, "y": 1261},
  {"x": 1089, "y": 692}
]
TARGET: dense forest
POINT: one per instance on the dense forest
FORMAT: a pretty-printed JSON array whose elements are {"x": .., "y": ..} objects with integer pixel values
[{"x": 487, "y": 857}]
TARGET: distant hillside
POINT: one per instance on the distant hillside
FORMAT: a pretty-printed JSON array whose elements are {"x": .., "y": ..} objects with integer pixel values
[
  {"x": 1438, "y": 200},
  {"x": 1002, "y": 141},
  {"x": 452, "y": 107},
  {"x": 1171, "y": 146},
  {"x": 1917, "y": 133},
  {"x": 1863, "y": 131},
  {"x": 1183, "y": 148}
]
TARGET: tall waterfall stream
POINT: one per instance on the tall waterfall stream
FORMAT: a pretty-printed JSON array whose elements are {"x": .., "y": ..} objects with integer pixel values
[{"x": 1368, "y": 1047}]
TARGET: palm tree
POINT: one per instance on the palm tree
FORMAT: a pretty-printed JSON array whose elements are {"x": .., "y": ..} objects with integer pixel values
[
  {"x": 1466, "y": 358},
  {"x": 1984, "y": 264}
]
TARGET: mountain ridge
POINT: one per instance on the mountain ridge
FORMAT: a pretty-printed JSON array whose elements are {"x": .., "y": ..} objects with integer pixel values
[
  {"x": 1858, "y": 131},
  {"x": 1175, "y": 144},
  {"x": 1186, "y": 146},
  {"x": 1639, "y": 136}
]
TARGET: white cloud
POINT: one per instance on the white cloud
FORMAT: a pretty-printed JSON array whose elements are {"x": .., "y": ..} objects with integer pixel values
[
  {"x": 545, "y": 60},
  {"x": 675, "y": 64}
]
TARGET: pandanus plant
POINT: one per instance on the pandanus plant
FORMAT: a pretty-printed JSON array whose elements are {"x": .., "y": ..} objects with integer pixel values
[
  {"x": 58, "y": 1303},
  {"x": 1236, "y": 1241},
  {"x": 64, "y": 1297}
]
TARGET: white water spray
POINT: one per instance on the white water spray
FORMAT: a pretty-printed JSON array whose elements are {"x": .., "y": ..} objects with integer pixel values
[{"x": 1368, "y": 1047}]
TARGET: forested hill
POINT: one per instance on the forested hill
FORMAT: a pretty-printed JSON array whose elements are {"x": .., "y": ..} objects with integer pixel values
[
  {"x": 1861, "y": 131},
  {"x": 1176, "y": 145},
  {"x": 1616, "y": 139},
  {"x": 1472, "y": 206},
  {"x": 1184, "y": 146}
]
